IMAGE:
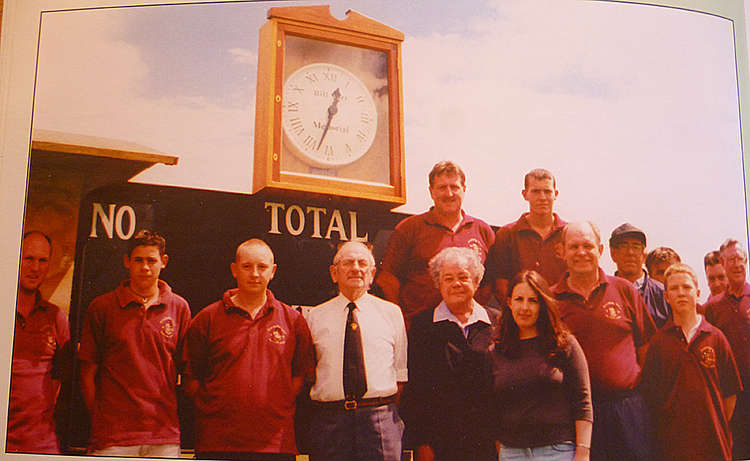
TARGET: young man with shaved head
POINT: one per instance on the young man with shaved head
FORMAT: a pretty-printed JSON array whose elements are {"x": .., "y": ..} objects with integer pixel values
[
  {"x": 730, "y": 311},
  {"x": 249, "y": 355},
  {"x": 41, "y": 332},
  {"x": 610, "y": 320}
]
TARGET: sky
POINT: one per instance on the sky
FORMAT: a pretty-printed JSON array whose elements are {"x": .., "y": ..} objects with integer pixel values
[{"x": 633, "y": 107}]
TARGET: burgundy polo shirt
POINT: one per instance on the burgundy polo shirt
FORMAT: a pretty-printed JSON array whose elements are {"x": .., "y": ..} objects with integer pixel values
[
  {"x": 37, "y": 342},
  {"x": 244, "y": 366},
  {"x": 518, "y": 247},
  {"x": 137, "y": 352},
  {"x": 732, "y": 316},
  {"x": 684, "y": 385},
  {"x": 610, "y": 325},
  {"x": 414, "y": 242}
]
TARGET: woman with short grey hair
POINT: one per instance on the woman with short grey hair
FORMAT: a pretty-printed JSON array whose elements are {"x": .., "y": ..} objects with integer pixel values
[{"x": 442, "y": 406}]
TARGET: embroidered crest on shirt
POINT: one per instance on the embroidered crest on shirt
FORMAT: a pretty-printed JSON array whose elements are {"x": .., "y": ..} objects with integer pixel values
[
  {"x": 708, "y": 357},
  {"x": 276, "y": 334},
  {"x": 613, "y": 311},
  {"x": 49, "y": 338},
  {"x": 167, "y": 327},
  {"x": 475, "y": 245}
]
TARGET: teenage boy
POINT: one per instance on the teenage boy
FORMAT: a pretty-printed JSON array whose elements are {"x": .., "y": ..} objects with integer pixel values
[
  {"x": 129, "y": 353},
  {"x": 690, "y": 379}
]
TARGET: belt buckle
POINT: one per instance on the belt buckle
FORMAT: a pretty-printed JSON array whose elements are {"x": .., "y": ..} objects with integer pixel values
[{"x": 350, "y": 404}]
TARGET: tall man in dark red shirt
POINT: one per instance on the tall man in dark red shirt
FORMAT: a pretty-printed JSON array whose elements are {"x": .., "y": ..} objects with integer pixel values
[
  {"x": 130, "y": 358},
  {"x": 403, "y": 277},
  {"x": 249, "y": 355},
  {"x": 610, "y": 320},
  {"x": 690, "y": 379},
  {"x": 41, "y": 333},
  {"x": 534, "y": 241},
  {"x": 730, "y": 312}
]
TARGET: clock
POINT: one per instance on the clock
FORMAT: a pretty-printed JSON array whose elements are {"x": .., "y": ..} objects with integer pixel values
[{"x": 329, "y": 118}]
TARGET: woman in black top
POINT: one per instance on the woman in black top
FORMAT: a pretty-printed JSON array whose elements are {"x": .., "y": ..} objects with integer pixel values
[{"x": 540, "y": 396}]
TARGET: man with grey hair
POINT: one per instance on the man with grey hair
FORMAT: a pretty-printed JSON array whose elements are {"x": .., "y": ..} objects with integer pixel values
[
  {"x": 730, "y": 312},
  {"x": 442, "y": 403},
  {"x": 360, "y": 346}
]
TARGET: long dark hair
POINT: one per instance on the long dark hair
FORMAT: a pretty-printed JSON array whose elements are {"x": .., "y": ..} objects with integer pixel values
[{"x": 552, "y": 331}]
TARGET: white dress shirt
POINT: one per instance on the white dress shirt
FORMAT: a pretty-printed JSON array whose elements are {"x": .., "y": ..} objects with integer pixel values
[
  {"x": 383, "y": 345},
  {"x": 478, "y": 314}
]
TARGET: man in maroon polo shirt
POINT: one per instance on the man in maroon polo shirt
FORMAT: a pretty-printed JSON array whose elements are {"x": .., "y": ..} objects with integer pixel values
[
  {"x": 130, "y": 358},
  {"x": 403, "y": 277},
  {"x": 690, "y": 379},
  {"x": 40, "y": 335},
  {"x": 610, "y": 320},
  {"x": 716, "y": 275},
  {"x": 730, "y": 312},
  {"x": 534, "y": 241},
  {"x": 249, "y": 355}
]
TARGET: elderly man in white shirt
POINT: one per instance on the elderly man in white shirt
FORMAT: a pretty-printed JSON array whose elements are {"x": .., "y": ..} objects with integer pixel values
[{"x": 360, "y": 345}]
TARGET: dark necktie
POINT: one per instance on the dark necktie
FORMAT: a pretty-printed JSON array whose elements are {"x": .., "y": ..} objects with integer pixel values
[{"x": 355, "y": 380}]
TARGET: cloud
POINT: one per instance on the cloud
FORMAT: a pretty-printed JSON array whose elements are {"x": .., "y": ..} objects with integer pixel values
[
  {"x": 633, "y": 107},
  {"x": 243, "y": 56}
]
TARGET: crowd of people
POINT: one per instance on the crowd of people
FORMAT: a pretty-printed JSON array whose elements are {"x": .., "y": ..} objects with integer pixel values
[{"x": 510, "y": 345}]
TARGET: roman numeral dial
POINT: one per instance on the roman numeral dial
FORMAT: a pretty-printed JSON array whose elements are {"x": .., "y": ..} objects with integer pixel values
[{"x": 329, "y": 116}]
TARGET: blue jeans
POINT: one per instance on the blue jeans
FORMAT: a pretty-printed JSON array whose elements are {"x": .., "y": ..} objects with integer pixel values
[
  {"x": 563, "y": 451},
  {"x": 369, "y": 433}
]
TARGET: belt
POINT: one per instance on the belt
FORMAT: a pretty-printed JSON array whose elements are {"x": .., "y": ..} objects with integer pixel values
[{"x": 354, "y": 404}]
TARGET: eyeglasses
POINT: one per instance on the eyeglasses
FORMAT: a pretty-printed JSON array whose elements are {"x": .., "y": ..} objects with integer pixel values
[{"x": 347, "y": 263}]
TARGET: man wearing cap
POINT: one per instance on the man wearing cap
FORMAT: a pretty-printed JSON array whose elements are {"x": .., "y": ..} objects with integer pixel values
[
  {"x": 730, "y": 312},
  {"x": 360, "y": 345},
  {"x": 611, "y": 322},
  {"x": 249, "y": 355},
  {"x": 534, "y": 241},
  {"x": 41, "y": 334},
  {"x": 130, "y": 357},
  {"x": 404, "y": 277},
  {"x": 627, "y": 246}
]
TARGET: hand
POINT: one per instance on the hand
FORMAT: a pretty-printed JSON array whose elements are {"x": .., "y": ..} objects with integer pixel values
[
  {"x": 332, "y": 109},
  {"x": 425, "y": 453}
]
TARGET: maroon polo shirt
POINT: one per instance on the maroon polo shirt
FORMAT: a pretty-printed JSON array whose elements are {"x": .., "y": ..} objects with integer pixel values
[
  {"x": 732, "y": 316},
  {"x": 610, "y": 325},
  {"x": 414, "y": 242},
  {"x": 245, "y": 401},
  {"x": 684, "y": 385},
  {"x": 138, "y": 354},
  {"x": 518, "y": 247},
  {"x": 37, "y": 342}
]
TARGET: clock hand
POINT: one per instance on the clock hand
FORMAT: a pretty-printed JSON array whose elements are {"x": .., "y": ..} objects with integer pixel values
[{"x": 332, "y": 110}]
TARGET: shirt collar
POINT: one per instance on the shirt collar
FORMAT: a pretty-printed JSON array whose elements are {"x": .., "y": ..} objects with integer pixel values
[
  {"x": 675, "y": 329},
  {"x": 523, "y": 223},
  {"x": 126, "y": 297},
  {"x": 430, "y": 218},
  {"x": 478, "y": 314},
  {"x": 562, "y": 286},
  {"x": 230, "y": 306}
]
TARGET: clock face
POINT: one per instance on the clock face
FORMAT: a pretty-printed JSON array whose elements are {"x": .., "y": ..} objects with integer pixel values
[{"x": 328, "y": 115}]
